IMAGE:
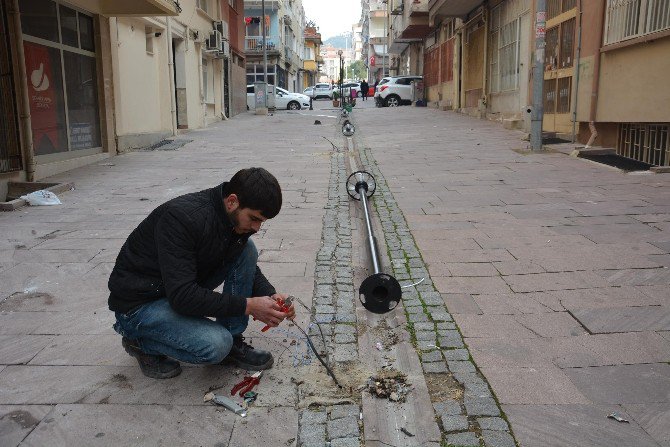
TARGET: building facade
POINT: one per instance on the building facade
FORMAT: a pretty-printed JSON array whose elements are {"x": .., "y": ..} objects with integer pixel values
[
  {"x": 604, "y": 68},
  {"x": 408, "y": 28},
  {"x": 374, "y": 36},
  {"x": 84, "y": 80},
  {"x": 284, "y": 24},
  {"x": 57, "y": 73},
  {"x": 312, "y": 56}
]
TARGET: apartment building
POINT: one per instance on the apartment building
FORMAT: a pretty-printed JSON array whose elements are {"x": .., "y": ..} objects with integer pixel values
[
  {"x": 284, "y": 23},
  {"x": 312, "y": 59},
  {"x": 408, "y": 28},
  {"x": 605, "y": 68},
  {"x": 374, "y": 36},
  {"x": 85, "y": 80}
]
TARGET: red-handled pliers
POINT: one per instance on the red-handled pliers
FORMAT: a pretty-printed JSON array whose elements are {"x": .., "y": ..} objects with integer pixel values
[
  {"x": 247, "y": 384},
  {"x": 285, "y": 305}
]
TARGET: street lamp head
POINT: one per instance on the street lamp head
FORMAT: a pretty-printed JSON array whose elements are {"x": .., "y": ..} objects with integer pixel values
[{"x": 339, "y": 52}]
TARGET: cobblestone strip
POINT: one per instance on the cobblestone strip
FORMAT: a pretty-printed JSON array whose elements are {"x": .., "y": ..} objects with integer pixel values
[
  {"x": 474, "y": 418},
  {"x": 336, "y": 425}
]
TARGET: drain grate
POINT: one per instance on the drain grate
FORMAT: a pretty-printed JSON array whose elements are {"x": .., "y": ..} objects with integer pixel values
[
  {"x": 617, "y": 161},
  {"x": 167, "y": 145}
]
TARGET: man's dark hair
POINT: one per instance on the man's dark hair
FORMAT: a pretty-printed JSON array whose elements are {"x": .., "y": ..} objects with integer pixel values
[{"x": 257, "y": 189}]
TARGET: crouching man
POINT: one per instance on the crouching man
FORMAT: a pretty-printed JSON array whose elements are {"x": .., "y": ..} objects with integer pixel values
[{"x": 162, "y": 286}]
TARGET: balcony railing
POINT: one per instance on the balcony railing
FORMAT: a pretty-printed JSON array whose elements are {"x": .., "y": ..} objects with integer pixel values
[{"x": 254, "y": 44}]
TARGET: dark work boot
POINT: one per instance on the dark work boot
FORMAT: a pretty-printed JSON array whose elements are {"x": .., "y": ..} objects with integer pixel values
[
  {"x": 246, "y": 357},
  {"x": 154, "y": 366}
]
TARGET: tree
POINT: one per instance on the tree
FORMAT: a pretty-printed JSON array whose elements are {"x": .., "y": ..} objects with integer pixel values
[{"x": 358, "y": 71}]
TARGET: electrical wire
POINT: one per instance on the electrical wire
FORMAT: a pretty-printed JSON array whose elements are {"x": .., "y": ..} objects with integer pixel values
[{"x": 311, "y": 345}]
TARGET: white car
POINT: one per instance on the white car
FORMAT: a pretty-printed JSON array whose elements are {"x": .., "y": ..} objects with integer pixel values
[
  {"x": 348, "y": 87},
  {"x": 393, "y": 91},
  {"x": 323, "y": 90},
  {"x": 283, "y": 99}
]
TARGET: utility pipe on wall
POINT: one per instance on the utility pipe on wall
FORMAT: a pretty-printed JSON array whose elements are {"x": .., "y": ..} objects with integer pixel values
[
  {"x": 577, "y": 59},
  {"x": 596, "y": 76},
  {"x": 24, "y": 112},
  {"x": 537, "y": 112},
  {"x": 173, "y": 99}
]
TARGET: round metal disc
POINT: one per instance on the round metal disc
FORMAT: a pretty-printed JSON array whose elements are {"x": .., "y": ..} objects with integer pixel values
[
  {"x": 357, "y": 179},
  {"x": 348, "y": 129},
  {"x": 380, "y": 293}
]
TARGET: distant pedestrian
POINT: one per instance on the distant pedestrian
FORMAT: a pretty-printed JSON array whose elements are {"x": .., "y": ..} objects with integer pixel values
[
  {"x": 365, "y": 87},
  {"x": 377, "y": 98}
]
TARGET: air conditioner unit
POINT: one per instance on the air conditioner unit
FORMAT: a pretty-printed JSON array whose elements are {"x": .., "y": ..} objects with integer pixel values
[
  {"x": 225, "y": 50},
  {"x": 214, "y": 41},
  {"x": 222, "y": 27}
]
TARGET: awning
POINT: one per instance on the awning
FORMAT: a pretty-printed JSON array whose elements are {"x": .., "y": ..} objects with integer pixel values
[
  {"x": 122, "y": 8},
  {"x": 452, "y": 8},
  {"x": 380, "y": 50}
]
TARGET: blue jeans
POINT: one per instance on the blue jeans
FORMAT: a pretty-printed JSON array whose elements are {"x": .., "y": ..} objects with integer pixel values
[{"x": 159, "y": 330}]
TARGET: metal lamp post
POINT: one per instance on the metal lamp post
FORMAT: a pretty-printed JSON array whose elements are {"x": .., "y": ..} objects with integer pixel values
[{"x": 339, "y": 53}]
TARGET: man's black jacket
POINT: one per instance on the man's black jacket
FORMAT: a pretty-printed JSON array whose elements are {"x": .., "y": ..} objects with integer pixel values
[{"x": 174, "y": 250}]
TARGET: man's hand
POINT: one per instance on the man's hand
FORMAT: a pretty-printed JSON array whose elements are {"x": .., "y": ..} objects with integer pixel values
[
  {"x": 265, "y": 309},
  {"x": 291, "y": 310}
]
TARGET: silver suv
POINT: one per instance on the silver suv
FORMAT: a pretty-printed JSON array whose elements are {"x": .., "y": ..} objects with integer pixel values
[{"x": 393, "y": 91}]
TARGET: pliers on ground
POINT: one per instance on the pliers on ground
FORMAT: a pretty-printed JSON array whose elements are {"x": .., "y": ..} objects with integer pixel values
[{"x": 247, "y": 384}]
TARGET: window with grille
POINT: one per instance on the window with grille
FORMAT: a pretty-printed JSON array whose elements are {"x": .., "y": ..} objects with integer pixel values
[
  {"x": 549, "y": 95},
  {"x": 203, "y": 4},
  {"x": 626, "y": 19},
  {"x": 431, "y": 63},
  {"x": 558, "y": 7},
  {"x": 447, "y": 58},
  {"x": 557, "y": 95},
  {"x": 645, "y": 142},
  {"x": 504, "y": 42},
  {"x": 560, "y": 46}
]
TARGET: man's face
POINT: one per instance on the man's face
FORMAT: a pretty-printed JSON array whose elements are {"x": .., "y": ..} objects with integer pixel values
[{"x": 246, "y": 220}]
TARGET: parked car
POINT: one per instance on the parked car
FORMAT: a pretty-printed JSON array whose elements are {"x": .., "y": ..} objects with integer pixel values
[
  {"x": 323, "y": 90},
  {"x": 309, "y": 91},
  {"x": 394, "y": 91},
  {"x": 283, "y": 99},
  {"x": 347, "y": 87}
]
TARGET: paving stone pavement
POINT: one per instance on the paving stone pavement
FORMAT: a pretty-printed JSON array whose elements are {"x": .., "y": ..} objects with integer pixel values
[
  {"x": 544, "y": 295},
  {"x": 554, "y": 269}
]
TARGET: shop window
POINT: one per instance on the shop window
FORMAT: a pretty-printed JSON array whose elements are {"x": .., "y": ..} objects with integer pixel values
[
  {"x": 47, "y": 103},
  {"x": 82, "y": 101},
  {"x": 62, "y": 79},
  {"x": 39, "y": 19},
  {"x": 86, "y": 32},
  {"x": 68, "y": 27}
]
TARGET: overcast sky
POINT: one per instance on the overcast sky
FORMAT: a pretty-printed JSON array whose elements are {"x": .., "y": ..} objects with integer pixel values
[{"x": 332, "y": 18}]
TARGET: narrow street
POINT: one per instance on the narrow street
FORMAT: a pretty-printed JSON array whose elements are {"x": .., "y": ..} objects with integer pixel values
[{"x": 544, "y": 305}]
